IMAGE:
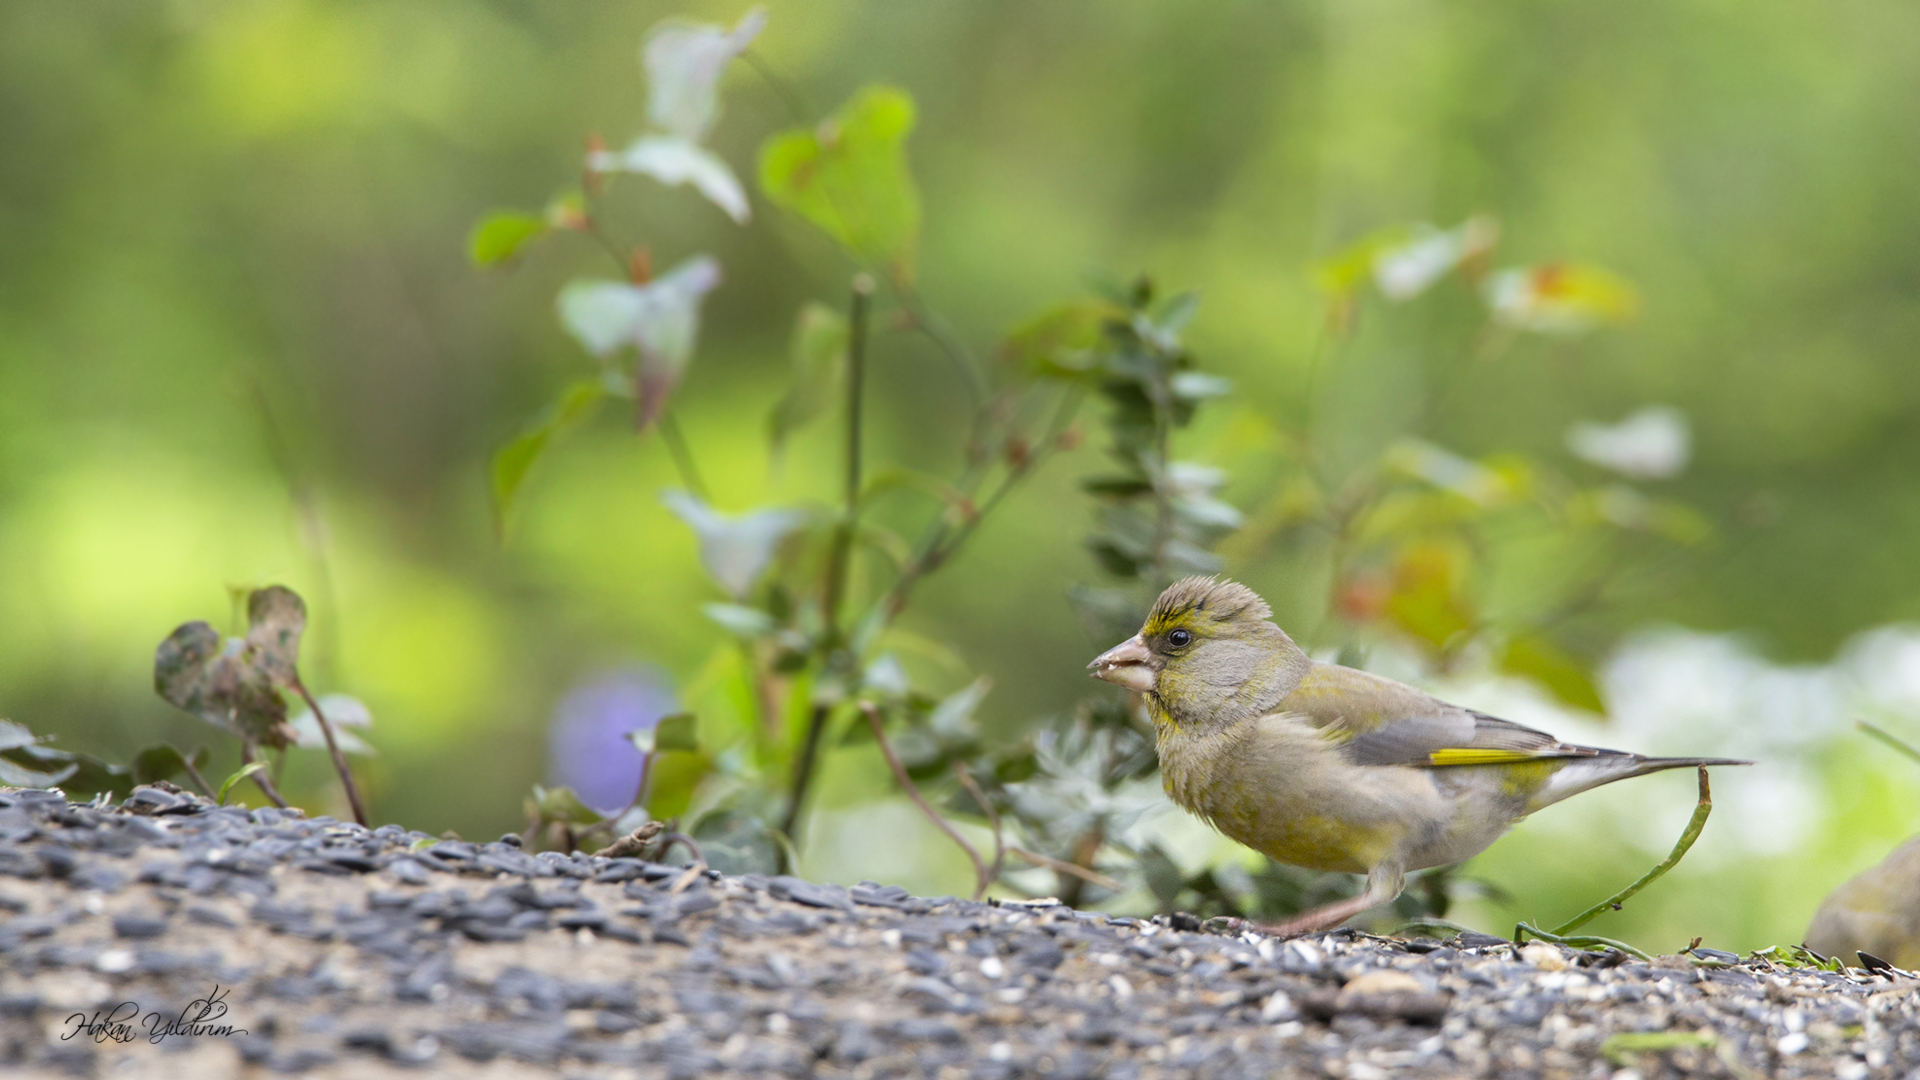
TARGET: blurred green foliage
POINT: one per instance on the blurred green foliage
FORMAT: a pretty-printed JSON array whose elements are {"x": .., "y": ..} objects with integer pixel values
[{"x": 240, "y": 342}]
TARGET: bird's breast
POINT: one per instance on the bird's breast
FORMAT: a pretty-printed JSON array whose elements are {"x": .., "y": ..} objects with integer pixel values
[{"x": 1277, "y": 786}]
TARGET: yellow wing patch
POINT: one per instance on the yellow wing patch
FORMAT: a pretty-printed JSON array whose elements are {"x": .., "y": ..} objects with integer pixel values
[{"x": 1464, "y": 755}]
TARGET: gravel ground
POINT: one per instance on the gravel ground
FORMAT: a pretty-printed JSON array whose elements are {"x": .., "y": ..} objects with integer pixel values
[{"x": 264, "y": 942}]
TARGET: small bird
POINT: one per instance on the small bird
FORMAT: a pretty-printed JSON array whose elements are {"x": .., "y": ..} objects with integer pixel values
[
  {"x": 1326, "y": 767},
  {"x": 1877, "y": 912}
]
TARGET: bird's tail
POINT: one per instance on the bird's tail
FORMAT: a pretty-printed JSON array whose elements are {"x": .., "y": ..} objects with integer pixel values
[{"x": 1585, "y": 774}]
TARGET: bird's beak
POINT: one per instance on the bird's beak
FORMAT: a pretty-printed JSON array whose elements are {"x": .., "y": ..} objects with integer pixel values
[{"x": 1127, "y": 664}]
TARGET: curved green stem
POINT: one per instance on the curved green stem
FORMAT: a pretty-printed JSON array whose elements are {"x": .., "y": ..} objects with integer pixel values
[{"x": 1612, "y": 903}]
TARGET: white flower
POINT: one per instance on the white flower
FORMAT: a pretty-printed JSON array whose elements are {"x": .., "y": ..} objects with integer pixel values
[{"x": 1652, "y": 444}]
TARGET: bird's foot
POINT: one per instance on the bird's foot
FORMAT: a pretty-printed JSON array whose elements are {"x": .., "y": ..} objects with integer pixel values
[{"x": 1320, "y": 918}]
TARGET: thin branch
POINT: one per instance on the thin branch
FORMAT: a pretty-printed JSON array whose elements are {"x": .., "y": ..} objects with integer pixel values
[
  {"x": 795, "y": 104},
  {"x": 945, "y": 539},
  {"x": 1612, "y": 903},
  {"x": 980, "y": 876},
  {"x": 682, "y": 456},
  {"x": 1091, "y": 877},
  {"x": 993, "y": 819},
  {"x": 266, "y": 784},
  {"x": 1889, "y": 738},
  {"x": 333, "y": 748},
  {"x": 948, "y": 343},
  {"x": 194, "y": 774},
  {"x": 667, "y": 840},
  {"x": 803, "y": 773}
]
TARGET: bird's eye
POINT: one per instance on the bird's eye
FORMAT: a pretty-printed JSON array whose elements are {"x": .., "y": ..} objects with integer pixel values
[{"x": 1179, "y": 639}]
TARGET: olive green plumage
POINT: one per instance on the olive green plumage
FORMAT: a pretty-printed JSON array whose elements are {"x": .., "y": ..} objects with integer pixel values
[{"x": 1330, "y": 768}]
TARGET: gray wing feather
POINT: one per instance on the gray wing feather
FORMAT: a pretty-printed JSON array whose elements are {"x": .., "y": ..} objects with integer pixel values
[{"x": 1411, "y": 741}]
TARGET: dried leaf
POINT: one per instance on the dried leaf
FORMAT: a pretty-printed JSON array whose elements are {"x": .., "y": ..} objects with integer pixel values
[{"x": 235, "y": 683}]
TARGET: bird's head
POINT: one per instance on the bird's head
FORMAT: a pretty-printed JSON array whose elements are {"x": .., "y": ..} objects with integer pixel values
[{"x": 1207, "y": 657}]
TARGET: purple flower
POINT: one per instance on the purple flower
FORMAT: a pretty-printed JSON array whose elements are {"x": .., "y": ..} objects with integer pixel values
[{"x": 587, "y": 747}]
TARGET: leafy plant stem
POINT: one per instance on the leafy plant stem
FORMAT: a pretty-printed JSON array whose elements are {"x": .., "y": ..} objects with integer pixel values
[
  {"x": 1612, "y": 903},
  {"x": 980, "y": 875},
  {"x": 1525, "y": 930},
  {"x": 1889, "y": 738},
  {"x": 260, "y": 777},
  {"x": 945, "y": 539},
  {"x": 339, "y": 759},
  {"x": 842, "y": 551},
  {"x": 251, "y": 768},
  {"x": 683, "y": 464}
]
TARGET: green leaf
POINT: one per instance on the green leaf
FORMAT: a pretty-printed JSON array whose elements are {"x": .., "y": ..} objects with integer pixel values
[
  {"x": 679, "y": 732},
  {"x": 849, "y": 176},
  {"x": 245, "y": 771},
  {"x": 561, "y": 804},
  {"x": 164, "y": 762},
  {"x": 953, "y": 717},
  {"x": 1539, "y": 659},
  {"x": 819, "y": 353},
  {"x": 235, "y": 683},
  {"x": 676, "y": 732},
  {"x": 16, "y": 775},
  {"x": 1058, "y": 343},
  {"x": 499, "y": 236},
  {"x": 512, "y": 462}
]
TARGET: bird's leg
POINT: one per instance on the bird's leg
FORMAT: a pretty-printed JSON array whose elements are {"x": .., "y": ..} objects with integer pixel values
[{"x": 1384, "y": 884}]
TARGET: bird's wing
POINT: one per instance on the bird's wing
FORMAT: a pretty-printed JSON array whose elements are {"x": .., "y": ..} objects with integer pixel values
[{"x": 1378, "y": 721}]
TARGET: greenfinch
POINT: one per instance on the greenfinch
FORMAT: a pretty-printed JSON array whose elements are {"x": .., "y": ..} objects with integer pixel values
[
  {"x": 1329, "y": 768},
  {"x": 1877, "y": 912}
]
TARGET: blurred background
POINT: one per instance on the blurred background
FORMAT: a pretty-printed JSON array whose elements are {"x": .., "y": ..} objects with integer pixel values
[{"x": 241, "y": 343}]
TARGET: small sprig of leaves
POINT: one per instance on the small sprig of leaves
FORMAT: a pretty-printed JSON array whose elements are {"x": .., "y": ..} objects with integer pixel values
[{"x": 239, "y": 684}]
